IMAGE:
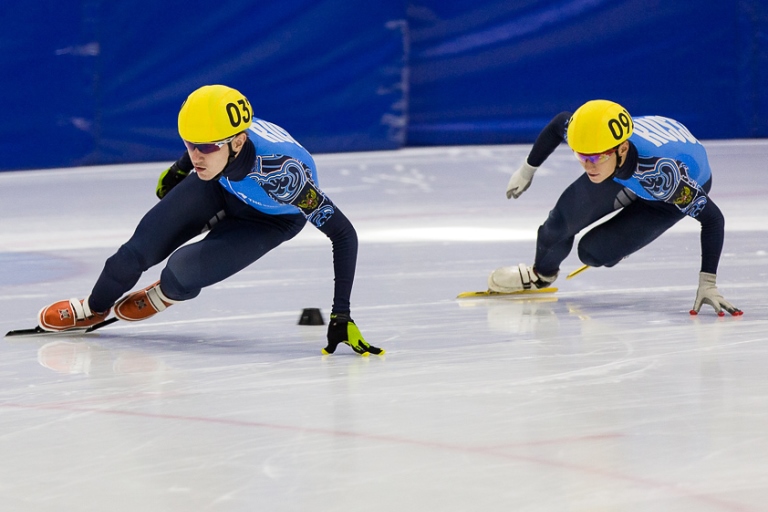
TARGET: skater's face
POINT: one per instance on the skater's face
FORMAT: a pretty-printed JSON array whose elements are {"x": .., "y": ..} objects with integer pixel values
[
  {"x": 210, "y": 159},
  {"x": 600, "y": 167}
]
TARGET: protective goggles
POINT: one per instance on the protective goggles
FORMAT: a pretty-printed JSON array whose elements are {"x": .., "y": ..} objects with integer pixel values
[
  {"x": 210, "y": 147},
  {"x": 596, "y": 158}
]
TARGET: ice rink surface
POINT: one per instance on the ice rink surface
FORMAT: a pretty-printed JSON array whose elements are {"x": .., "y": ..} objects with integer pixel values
[{"x": 607, "y": 396}]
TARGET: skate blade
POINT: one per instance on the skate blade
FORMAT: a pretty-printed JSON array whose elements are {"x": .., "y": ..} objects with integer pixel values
[
  {"x": 577, "y": 271},
  {"x": 38, "y": 331},
  {"x": 489, "y": 293}
]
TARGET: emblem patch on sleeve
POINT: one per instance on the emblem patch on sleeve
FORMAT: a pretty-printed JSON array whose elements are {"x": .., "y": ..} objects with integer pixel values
[
  {"x": 308, "y": 200},
  {"x": 684, "y": 196}
]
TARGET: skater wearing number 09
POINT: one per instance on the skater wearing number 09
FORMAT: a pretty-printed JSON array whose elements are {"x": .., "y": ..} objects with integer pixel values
[
  {"x": 251, "y": 186},
  {"x": 651, "y": 168}
]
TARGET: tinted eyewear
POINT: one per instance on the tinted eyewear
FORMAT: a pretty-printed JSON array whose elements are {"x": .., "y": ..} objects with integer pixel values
[
  {"x": 596, "y": 158},
  {"x": 210, "y": 147}
]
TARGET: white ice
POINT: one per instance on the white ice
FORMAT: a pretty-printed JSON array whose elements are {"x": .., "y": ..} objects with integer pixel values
[{"x": 607, "y": 396}]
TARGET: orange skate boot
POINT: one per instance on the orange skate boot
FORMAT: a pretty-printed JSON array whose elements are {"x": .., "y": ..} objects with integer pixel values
[
  {"x": 142, "y": 304},
  {"x": 69, "y": 314}
]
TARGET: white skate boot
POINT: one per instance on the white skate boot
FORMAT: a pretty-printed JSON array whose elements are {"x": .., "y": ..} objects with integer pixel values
[{"x": 517, "y": 279}]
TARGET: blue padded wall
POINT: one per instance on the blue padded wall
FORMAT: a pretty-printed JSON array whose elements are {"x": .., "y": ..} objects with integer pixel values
[
  {"x": 97, "y": 82},
  {"x": 103, "y": 82},
  {"x": 497, "y": 71}
]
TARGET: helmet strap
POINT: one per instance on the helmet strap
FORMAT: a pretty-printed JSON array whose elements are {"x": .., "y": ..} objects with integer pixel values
[
  {"x": 232, "y": 154},
  {"x": 619, "y": 163},
  {"x": 616, "y": 169},
  {"x": 630, "y": 160}
]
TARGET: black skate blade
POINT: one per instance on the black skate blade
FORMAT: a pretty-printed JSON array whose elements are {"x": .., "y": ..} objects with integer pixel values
[
  {"x": 37, "y": 331},
  {"x": 26, "y": 332},
  {"x": 102, "y": 324}
]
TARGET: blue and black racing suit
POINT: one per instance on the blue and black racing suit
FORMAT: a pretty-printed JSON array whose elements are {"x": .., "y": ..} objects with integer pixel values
[
  {"x": 664, "y": 177},
  {"x": 263, "y": 198}
]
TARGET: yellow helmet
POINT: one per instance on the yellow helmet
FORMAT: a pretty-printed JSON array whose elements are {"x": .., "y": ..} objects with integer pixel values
[
  {"x": 213, "y": 113},
  {"x": 597, "y": 126}
]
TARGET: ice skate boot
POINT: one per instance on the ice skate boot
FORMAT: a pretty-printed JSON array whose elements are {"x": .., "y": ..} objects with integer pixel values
[
  {"x": 517, "y": 279},
  {"x": 69, "y": 314},
  {"x": 142, "y": 304}
]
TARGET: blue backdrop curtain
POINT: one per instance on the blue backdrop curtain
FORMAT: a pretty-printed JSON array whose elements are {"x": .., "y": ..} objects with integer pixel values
[{"x": 97, "y": 82}]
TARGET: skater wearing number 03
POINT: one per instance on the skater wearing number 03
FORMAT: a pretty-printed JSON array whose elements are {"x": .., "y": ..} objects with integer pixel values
[
  {"x": 253, "y": 188},
  {"x": 650, "y": 167}
]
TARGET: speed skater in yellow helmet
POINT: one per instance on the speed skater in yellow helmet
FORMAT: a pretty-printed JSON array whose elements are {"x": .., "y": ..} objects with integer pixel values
[
  {"x": 598, "y": 126},
  {"x": 214, "y": 113}
]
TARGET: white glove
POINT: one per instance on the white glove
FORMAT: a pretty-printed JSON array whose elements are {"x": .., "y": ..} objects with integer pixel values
[
  {"x": 708, "y": 294},
  {"x": 520, "y": 180}
]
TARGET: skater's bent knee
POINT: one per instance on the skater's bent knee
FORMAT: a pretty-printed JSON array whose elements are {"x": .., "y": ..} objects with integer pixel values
[
  {"x": 175, "y": 289},
  {"x": 587, "y": 255},
  {"x": 588, "y": 258}
]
